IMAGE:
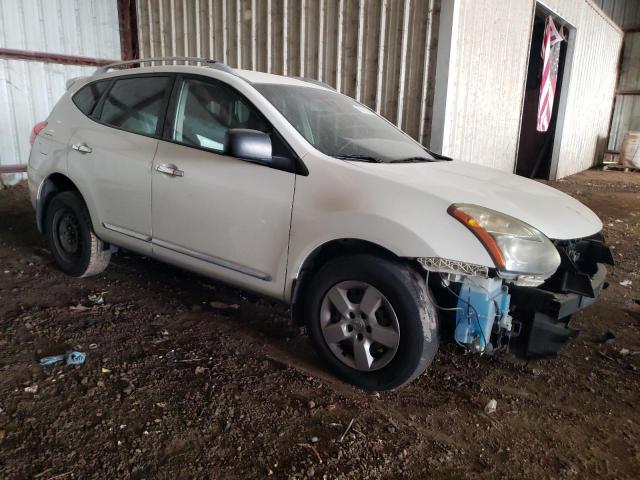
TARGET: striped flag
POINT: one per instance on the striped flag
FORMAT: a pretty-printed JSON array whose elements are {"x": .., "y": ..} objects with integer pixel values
[{"x": 551, "y": 58}]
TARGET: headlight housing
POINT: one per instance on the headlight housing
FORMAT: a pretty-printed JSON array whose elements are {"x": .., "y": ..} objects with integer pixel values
[{"x": 517, "y": 249}]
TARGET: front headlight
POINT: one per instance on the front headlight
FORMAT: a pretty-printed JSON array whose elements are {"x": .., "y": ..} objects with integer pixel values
[{"x": 515, "y": 247}]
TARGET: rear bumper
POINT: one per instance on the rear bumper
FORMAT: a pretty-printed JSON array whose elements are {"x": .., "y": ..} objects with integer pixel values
[{"x": 541, "y": 317}]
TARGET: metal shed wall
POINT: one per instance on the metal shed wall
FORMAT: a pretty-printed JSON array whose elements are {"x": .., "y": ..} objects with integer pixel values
[
  {"x": 490, "y": 42},
  {"x": 381, "y": 52},
  {"x": 29, "y": 90},
  {"x": 625, "y": 13}
]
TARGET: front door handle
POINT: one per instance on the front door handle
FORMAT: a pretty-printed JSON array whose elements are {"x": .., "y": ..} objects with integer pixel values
[
  {"x": 82, "y": 147},
  {"x": 170, "y": 170}
]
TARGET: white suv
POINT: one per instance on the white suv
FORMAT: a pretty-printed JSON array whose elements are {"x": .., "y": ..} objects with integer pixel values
[{"x": 287, "y": 188}]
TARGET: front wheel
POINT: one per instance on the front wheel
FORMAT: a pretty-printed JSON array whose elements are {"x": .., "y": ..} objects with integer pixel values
[
  {"x": 372, "y": 320},
  {"x": 75, "y": 247}
]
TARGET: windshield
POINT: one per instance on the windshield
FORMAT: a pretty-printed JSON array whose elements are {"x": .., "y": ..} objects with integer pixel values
[{"x": 339, "y": 126}]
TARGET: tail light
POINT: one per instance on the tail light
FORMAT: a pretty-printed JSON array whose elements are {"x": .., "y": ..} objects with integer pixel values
[{"x": 36, "y": 130}]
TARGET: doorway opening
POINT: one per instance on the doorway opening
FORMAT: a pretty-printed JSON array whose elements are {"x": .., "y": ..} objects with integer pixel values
[{"x": 535, "y": 149}]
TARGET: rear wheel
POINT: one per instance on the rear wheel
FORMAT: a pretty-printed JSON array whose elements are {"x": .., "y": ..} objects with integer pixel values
[
  {"x": 75, "y": 247},
  {"x": 372, "y": 320}
]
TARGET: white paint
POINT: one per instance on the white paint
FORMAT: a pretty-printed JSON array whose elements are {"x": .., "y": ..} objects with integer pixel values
[
  {"x": 269, "y": 34},
  {"x": 303, "y": 43},
  {"x": 403, "y": 64},
  {"x": 359, "y": 52},
  {"x": 339, "y": 45},
  {"x": 254, "y": 45},
  {"x": 321, "y": 41},
  {"x": 381, "y": 55}
]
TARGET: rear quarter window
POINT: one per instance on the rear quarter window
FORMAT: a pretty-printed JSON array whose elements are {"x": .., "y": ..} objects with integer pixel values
[
  {"x": 87, "y": 97},
  {"x": 136, "y": 104}
]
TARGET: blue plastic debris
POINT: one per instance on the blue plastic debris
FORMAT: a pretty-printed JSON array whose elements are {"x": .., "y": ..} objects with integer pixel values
[
  {"x": 75, "y": 358},
  {"x": 71, "y": 358},
  {"x": 52, "y": 360}
]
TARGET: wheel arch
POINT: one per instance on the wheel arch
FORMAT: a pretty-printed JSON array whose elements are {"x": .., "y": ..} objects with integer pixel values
[
  {"x": 321, "y": 255},
  {"x": 50, "y": 187}
]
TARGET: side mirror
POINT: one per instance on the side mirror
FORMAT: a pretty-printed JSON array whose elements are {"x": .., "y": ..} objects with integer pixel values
[{"x": 249, "y": 145}]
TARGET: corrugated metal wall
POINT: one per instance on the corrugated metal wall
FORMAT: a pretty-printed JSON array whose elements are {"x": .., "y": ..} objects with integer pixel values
[
  {"x": 381, "y": 52},
  {"x": 626, "y": 13},
  {"x": 490, "y": 42},
  {"x": 626, "y": 115},
  {"x": 487, "y": 71},
  {"x": 29, "y": 90}
]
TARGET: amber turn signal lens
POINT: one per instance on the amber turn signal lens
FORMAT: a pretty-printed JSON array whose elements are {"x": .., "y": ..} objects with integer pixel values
[{"x": 485, "y": 237}]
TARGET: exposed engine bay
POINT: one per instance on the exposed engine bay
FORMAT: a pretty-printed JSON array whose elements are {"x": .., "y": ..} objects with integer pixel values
[{"x": 485, "y": 313}]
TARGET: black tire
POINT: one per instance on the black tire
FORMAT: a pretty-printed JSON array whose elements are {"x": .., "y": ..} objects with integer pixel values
[
  {"x": 75, "y": 247},
  {"x": 410, "y": 298}
]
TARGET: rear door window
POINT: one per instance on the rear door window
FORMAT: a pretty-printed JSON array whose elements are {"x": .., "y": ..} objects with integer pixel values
[
  {"x": 87, "y": 97},
  {"x": 136, "y": 104}
]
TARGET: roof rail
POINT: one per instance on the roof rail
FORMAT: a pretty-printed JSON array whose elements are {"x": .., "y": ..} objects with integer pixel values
[
  {"x": 315, "y": 82},
  {"x": 139, "y": 61}
]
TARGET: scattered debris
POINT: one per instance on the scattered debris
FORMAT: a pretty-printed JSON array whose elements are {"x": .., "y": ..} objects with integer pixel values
[
  {"x": 491, "y": 406},
  {"x": 347, "y": 430},
  {"x": 97, "y": 298},
  {"x": 31, "y": 389},
  {"x": 626, "y": 283},
  {"x": 313, "y": 449},
  {"x": 70, "y": 358},
  {"x": 79, "y": 308}
]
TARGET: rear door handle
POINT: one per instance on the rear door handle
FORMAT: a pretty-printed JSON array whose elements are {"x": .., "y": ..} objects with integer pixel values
[
  {"x": 170, "y": 170},
  {"x": 82, "y": 147}
]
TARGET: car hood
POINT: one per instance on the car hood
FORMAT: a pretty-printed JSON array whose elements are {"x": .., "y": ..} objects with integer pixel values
[{"x": 554, "y": 213}]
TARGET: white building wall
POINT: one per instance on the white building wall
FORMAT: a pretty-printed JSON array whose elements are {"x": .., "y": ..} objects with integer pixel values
[
  {"x": 29, "y": 90},
  {"x": 486, "y": 81}
]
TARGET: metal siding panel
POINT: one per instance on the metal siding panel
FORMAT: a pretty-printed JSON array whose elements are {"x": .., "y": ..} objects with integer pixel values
[
  {"x": 73, "y": 27},
  {"x": 625, "y": 13},
  {"x": 482, "y": 117},
  {"x": 594, "y": 70},
  {"x": 337, "y": 41},
  {"x": 630, "y": 66},
  {"x": 29, "y": 90},
  {"x": 487, "y": 75}
]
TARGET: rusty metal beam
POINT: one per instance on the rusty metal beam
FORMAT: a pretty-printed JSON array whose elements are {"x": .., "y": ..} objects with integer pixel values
[
  {"x": 627, "y": 92},
  {"x": 128, "y": 21},
  {"x": 13, "y": 168},
  {"x": 53, "y": 58}
]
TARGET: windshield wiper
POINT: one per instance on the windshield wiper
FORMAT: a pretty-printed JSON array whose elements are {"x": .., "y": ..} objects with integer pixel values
[
  {"x": 358, "y": 158},
  {"x": 411, "y": 160}
]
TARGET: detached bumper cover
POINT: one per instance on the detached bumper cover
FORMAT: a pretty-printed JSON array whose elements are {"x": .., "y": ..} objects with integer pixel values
[
  {"x": 541, "y": 315},
  {"x": 558, "y": 305}
]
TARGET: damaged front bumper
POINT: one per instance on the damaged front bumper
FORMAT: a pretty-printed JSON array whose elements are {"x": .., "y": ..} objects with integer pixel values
[
  {"x": 490, "y": 315},
  {"x": 541, "y": 315}
]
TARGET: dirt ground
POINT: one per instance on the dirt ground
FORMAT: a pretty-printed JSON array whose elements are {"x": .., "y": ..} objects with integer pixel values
[{"x": 177, "y": 387}]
